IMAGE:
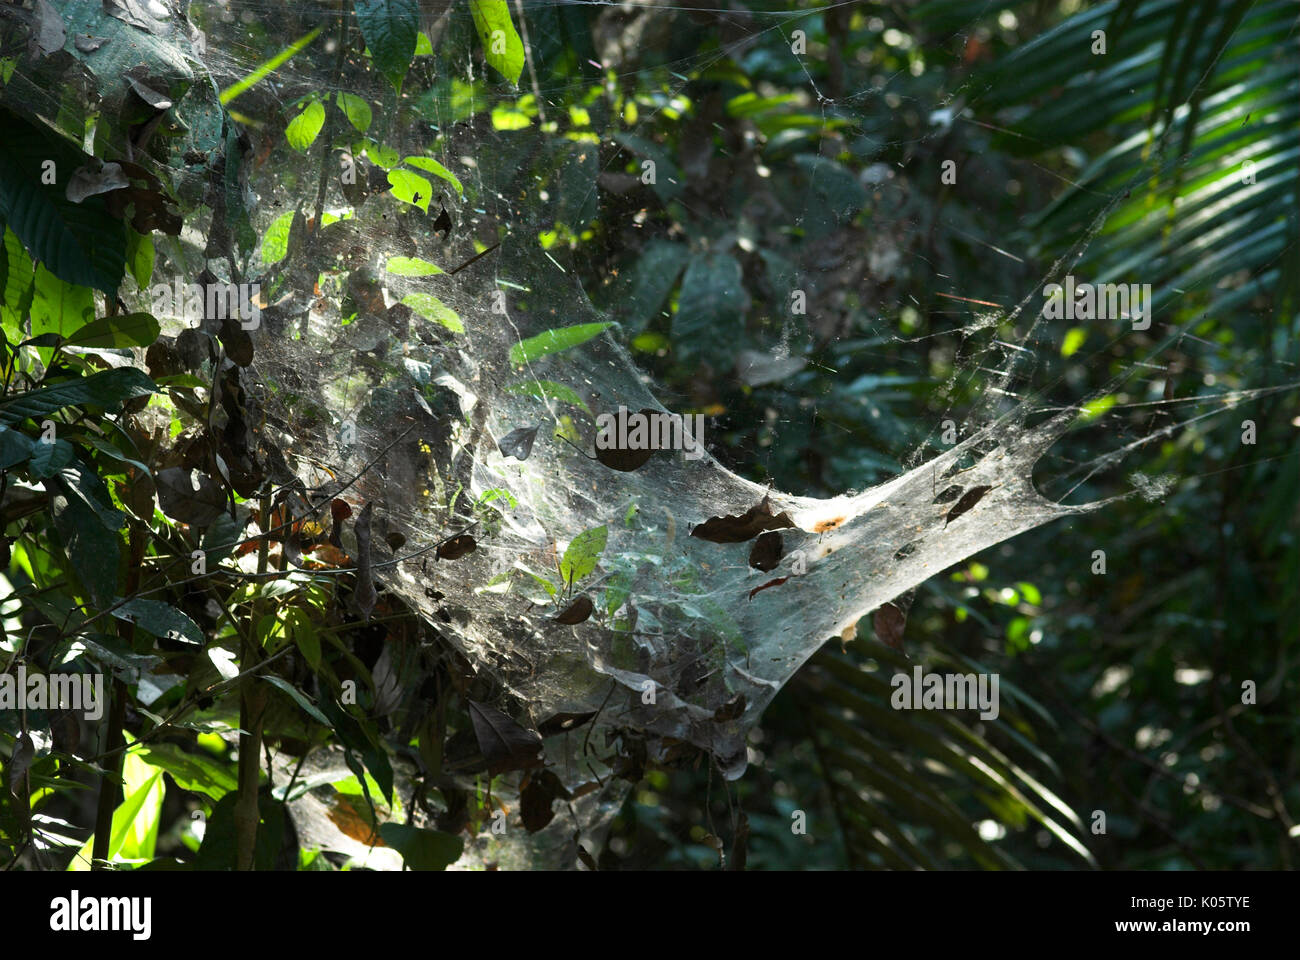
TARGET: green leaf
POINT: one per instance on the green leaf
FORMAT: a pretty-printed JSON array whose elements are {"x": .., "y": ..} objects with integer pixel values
[
  {"x": 553, "y": 341},
  {"x": 91, "y": 549},
  {"x": 501, "y": 44},
  {"x": 654, "y": 277},
  {"x": 87, "y": 487},
  {"x": 549, "y": 390},
  {"x": 135, "y": 821},
  {"x": 406, "y": 186},
  {"x": 582, "y": 553},
  {"x": 437, "y": 169},
  {"x": 49, "y": 458},
  {"x": 378, "y": 154},
  {"x": 160, "y": 619},
  {"x": 711, "y": 306},
  {"x": 140, "y": 257},
  {"x": 304, "y": 635},
  {"x": 275, "y": 243},
  {"x": 269, "y": 67},
  {"x": 80, "y": 243},
  {"x": 195, "y": 772},
  {"x": 411, "y": 267},
  {"x": 431, "y": 308},
  {"x": 304, "y": 128},
  {"x": 105, "y": 389},
  {"x": 124, "y": 330},
  {"x": 20, "y": 276},
  {"x": 390, "y": 28},
  {"x": 355, "y": 109},
  {"x": 60, "y": 307},
  {"x": 299, "y": 698},
  {"x": 422, "y": 849},
  {"x": 1074, "y": 339},
  {"x": 15, "y": 447}
]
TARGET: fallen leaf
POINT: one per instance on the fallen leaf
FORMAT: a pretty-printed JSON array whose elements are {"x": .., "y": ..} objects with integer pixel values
[
  {"x": 888, "y": 622},
  {"x": 518, "y": 443},
  {"x": 505, "y": 744},
  {"x": 443, "y": 224},
  {"x": 456, "y": 547},
  {"x": 87, "y": 43},
  {"x": 339, "y": 511},
  {"x": 968, "y": 500},
  {"x": 563, "y": 722},
  {"x": 184, "y": 502},
  {"x": 766, "y": 553},
  {"x": 745, "y": 526},
  {"x": 576, "y": 612},
  {"x": 625, "y": 460},
  {"x": 536, "y": 800},
  {"x": 733, "y": 709}
]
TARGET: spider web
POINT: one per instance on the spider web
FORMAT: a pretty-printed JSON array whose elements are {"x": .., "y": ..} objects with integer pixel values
[{"x": 390, "y": 409}]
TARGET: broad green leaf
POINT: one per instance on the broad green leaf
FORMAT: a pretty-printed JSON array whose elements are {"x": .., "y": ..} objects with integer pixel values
[
  {"x": 411, "y": 267},
  {"x": 437, "y": 169},
  {"x": 303, "y": 633},
  {"x": 160, "y": 619},
  {"x": 431, "y": 308},
  {"x": 410, "y": 188},
  {"x": 549, "y": 390},
  {"x": 653, "y": 278},
  {"x": 377, "y": 153},
  {"x": 275, "y": 244},
  {"x": 501, "y": 44},
  {"x": 581, "y": 554},
  {"x": 15, "y": 447},
  {"x": 422, "y": 849},
  {"x": 355, "y": 109},
  {"x": 105, "y": 389},
  {"x": 20, "y": 277},
  {"x": 195, "y": 772},
  {"x": 124, "y": 330},
  {"x": 92, "y": 550},
  {"x": 80, "y": 243},
  {"x": 60, "y": 307},
  {"x": 49, "y": 458},
  {"x": 140, "y": 257},
  {"x": 304, "y": 128},
  {"x": 1074, "y": 339},
  {"x": 553, "y": 341},
  {"x": 711, "y": 306},
  {"x": 390, "y": 28}
]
